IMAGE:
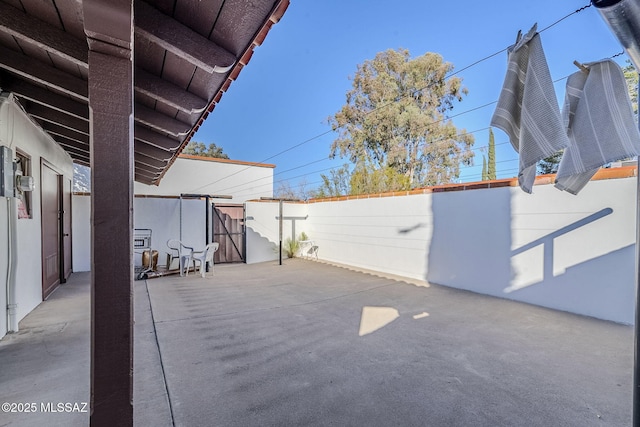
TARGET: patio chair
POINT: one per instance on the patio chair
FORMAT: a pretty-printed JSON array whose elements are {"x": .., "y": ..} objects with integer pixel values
[
  {"x": 179, "y": 251},
  {"x": 203, "y": 256}
]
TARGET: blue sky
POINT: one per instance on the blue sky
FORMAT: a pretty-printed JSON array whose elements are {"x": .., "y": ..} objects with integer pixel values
[{"x": 300, "y": 75}]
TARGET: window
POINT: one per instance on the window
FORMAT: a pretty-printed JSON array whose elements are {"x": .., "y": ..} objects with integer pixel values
[{"x": 24, "y": 197}]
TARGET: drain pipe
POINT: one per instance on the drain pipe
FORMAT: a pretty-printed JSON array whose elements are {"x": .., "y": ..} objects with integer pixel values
[
  {"x": 12, "y": 305},
  {"x": 623, "y": 18}
]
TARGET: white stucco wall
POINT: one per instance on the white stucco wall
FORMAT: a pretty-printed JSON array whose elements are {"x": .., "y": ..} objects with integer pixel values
[
  {"x": 17, "y": 131},
  {"x": 81, "y": 226},
  {"x": 263, "y": 227},
  {"x": 159, "y": 214},
  {"x": 241, "y": 180},
  {"x": 550, "y": 248},
  {"x": 159, "y": 208}
]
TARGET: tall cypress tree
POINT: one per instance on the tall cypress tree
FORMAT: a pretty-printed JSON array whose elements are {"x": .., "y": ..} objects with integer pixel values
[
  {"x": 491, "y": 167},
  {"x": 484, "y": 168}
]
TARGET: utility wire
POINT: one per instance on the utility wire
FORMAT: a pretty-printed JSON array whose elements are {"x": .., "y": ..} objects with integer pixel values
[{"x": 395, "y": 101}]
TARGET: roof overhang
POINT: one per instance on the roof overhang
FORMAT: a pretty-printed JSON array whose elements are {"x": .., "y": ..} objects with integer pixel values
[{"x": 186, "y": 55}]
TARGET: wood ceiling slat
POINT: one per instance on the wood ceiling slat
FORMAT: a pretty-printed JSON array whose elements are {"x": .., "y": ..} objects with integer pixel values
[
  {"x": 44, "y": 10},
  {"x": 56, "y": 129},
  {"x": 164, "y": 6},
  {"x": 205, "y": 83},
  {"x": 186, "y": 117},
  {"x": 145, "y": 100},
  {"x": 8, "y": 41},
  {"x": 155, "y": 120},
  {"x": 168, "y": 111},
  {"x": 79, "y": 147},
  {"x": 152, "y": 137},
  {"x": 177, "y": 70},
  {"x": 152, "y": 151},
  {"x": 181, "y": 40},
  {"x": 35, "y": 53},
  {"x": 198, "y": 15},
  {"x": 149, "y": 56},
  {"x": 43, "y": 96},
  {"x": 168, "y": 93},
  {"x": 72, "y": 19},
  {"x": 149, "y": 161},
  {"x": 41, "y": 35},
  {"x": 147, "y": 170},
  {"x": 238, "y": 23},
  {"x": 42, "y": 73},
  {"x": 15, "y": 3},
  {"x": 57, "y": 117},
  {"x": 66, "y": 66}
]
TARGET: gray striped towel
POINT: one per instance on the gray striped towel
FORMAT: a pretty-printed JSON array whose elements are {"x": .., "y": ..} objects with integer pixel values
[
  {"x": 598, "y": 115},
  {"x": 527, "y": 109}
]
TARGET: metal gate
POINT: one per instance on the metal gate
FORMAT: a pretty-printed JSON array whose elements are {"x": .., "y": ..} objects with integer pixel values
[{"x": 229, "y": 232}]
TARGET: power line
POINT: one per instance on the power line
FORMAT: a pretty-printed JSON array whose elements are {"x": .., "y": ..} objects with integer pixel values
[{"x": 397, "y": 100}]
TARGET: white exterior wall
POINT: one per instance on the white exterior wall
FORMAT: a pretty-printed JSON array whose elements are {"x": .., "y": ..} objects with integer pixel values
[
  {"x": 17, "y": 131},
  {"x": 214, "y": 177},
  {"x": 263, "y": 228},
  {"x": 160, "y": 214},
  {"x": 81, "y": 226},
  {"x": 163, "y": 217},
  {"x": 550, "y": 248}
]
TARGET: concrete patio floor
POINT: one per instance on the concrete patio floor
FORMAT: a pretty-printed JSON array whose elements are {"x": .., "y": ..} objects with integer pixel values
[{"x": 307, "y": 343}]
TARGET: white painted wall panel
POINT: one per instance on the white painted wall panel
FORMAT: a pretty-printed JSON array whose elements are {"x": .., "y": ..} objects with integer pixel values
[{"x": 17, "y": 131}]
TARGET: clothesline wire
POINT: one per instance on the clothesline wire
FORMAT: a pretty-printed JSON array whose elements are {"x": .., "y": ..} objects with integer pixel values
[
  {"x": 322, "y": 159},
  {"x": 256, "y": 194},
  {"x": 252, "y": 164},
  {"x": 434, "y": 141}
]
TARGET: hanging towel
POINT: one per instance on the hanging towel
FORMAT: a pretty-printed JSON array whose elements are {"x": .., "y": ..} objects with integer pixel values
[
  {"x": 527, "y": 109},
  {"x": 599, "y": 118}
]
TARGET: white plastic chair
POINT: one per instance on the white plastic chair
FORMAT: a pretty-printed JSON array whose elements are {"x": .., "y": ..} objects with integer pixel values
[
  {"x": 179, "y": 251},
  {"x": 203, "y": 256}
]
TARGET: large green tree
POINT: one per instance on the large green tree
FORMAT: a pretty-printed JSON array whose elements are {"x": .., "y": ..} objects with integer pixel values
[
  {"x": 201, "y": 149},
  {"x": 394, "y": 126}
]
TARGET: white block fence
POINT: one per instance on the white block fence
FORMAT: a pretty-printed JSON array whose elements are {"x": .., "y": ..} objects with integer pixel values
[{"x": 550, "y": 248}]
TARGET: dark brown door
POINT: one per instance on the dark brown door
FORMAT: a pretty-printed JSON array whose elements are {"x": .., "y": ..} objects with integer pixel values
[
  {"x": 50, "y": 197},
  {"x": 65, "y": 223},
  {"x": 229, "y": 232}
]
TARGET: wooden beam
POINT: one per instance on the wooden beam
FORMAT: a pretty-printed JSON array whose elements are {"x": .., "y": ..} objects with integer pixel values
[
  {"x": 147, "y": 170},
  {"x": 149, "y": 161},
  {"x": 168, "y": 93},
  {"x": 56, "y": 129},
  {"x": 181, "y": 40},
  {"x": 151, "y": 137},
  {"x": 51, "y": 99},
  {"x": 54, "y": 116},
  {"x": 36, "y": 71},
  {"x": 160, "y": 122},
  {"x": 44, "y": 36},
  {"x": 152, "y": 151},
  {"x": 71, "y": 147}
]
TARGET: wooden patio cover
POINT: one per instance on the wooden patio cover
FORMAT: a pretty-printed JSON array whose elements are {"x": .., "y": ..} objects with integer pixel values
[{"x": 122, "y": 85}]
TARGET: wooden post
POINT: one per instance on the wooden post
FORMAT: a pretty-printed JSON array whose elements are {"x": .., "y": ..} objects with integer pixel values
[{"x": 109, "y": 29}]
